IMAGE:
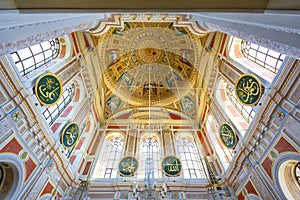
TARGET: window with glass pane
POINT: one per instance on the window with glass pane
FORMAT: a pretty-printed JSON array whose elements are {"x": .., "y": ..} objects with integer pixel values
[
  {"x": 150, "y": 158},
  {"x": 33, "y": 57},
  {"x": 190, "y": 158},
  {"x": 111, "y": 153},
  {"x": 269, "y": 59},
  {"x": 51, "y": 113},
  {"x": 246, "y": 111}
]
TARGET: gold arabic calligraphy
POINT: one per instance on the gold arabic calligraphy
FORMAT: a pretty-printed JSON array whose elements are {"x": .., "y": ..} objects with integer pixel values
[
  {"x": 48, "y": 90},
  {"x": 247, "y": 90},
  {"x": 128, "y": 166},
  {"x": 71, "y": 135},
  {"x": 172, "y": 166},
  {"x": 227, "y": 136}
]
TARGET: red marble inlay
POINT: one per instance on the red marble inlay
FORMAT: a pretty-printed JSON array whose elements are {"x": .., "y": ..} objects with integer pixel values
[
  {"x": 95, "y": 146},
  {"x": 124, "y": 116},
  {"x": 67, "y": 111},
  {"x": 55, "y": 126},
  {"x": 80, "y": 143},
  {"x": 77, "y": 95},
  {"x": 30, "y": 166},
  {"x": 267, "y": 165},
  {"x": 63, "y": 51},
  {"x": 240, "y": 196},
  {"x": 72, "y": 159},
  {"x": 117, "y": 127},
  {"x": 237, "y": 51},
  {"x": 75, "y": 42},
  {"x": 88, "y": 126},
  {"x": 12, "y": 146},
  {"x": 48, "y": 189},
  {"x": 182, "y": 127},
  {"x": 87, "y": 167},
  {"x": 82, "y": 162},
  {"x": 283, "y": 145},
  {"x": 250, "y": 188},
  {"x": 244, "y": 125},
  {"x": 233, "y": 111},
  {"x": 174, "y": 116}
]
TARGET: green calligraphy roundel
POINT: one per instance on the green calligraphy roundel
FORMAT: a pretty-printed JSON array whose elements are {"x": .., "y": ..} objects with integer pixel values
[
  {"x": 70, "y": 135},
  {"x": 171, "y": 166},
  {"x": 248, "y": 89},
  {"x": 128, "y": 166},
  {"x": 228, "y": 135},
  {"x": 48, "y": 89}
]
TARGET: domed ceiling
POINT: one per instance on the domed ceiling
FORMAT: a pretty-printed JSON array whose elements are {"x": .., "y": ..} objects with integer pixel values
[{"x": 149, "y": 64}]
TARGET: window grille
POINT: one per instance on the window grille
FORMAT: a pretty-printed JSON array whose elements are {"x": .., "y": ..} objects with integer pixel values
[
  {"x": 112, "y": 152},
  {"x": 51, "y": 113},
  {"x": 33, "y": 57},
  {"x": 150, "y": 158},
  {"x": 190, "y": 159},
  {"x": 246, "y": 111},
  {"x": 267, "y": 58}
]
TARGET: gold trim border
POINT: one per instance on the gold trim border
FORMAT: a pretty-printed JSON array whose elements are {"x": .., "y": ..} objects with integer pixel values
[
  {"x": 236, "y": 141},
  {"x": 63, "y": 133},
  {"x": 176, "y": 175},
  {"x": 35, "y": 88},
  {"x": 260, "y": 88}
]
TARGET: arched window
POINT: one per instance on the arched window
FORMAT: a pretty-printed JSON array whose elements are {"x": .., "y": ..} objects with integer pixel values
[
  {"x": 224, "y": 154},
  {"x": 33, "y": 57},
  {"x": 111, "y": 152},
  {"x": 150, "y": 156},
  {"x": 246, "y": 111},
  {"x": 231, "y": 109},
  {"x": 261, "y": 61},
  {"x": 190, "y": 158},
  {"x": 51, "y": 113},
  {"x": 267, "y": 58},
  {"x": 288, "y": 177}
]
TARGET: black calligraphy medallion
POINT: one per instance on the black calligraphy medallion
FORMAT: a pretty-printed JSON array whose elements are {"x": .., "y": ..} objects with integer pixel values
[
  {"x": 171, "y": 166},
  {"x": 48, "y": 89},
  {"x": 128, "y": 166},
  {"x": 248, "y": 89}
]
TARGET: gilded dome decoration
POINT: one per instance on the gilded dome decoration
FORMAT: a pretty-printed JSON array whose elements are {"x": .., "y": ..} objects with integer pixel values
[{"x": 149, "y": 63}]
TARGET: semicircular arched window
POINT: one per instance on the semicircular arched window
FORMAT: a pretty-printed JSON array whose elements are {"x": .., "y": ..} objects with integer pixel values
[
  {"x": 267, "y": 58},
  {"x": 190, "y": 158},
  {"x": 149, "y": 156},
  {"x": 111, "y": 152},
  {"x": 36, "y": 56}
]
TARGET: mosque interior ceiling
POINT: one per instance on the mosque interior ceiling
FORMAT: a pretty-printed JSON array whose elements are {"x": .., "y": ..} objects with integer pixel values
[{"x": 155, "y": 65}]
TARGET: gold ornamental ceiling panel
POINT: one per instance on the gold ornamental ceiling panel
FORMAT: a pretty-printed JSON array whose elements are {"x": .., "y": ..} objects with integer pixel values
[{"x": 149, "y": 63}]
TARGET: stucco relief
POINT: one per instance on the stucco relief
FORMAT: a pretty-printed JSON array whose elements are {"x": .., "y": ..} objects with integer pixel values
[
  {"x": 8, "y": 47},
  {"x": 276, "y": 46}
]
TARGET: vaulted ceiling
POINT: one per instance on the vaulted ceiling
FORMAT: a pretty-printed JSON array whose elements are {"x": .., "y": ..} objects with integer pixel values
[{"x": 151, "y": 69}]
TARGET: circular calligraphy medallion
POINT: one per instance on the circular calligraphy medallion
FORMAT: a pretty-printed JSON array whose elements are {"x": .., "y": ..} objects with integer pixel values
[
  {"x": 248, "y": 89},
  {"x": 48, "y": 89},
  {"x": 70, "y": 135},
  {"x": 171, "y": 166},
  {"x": 228, "y": 135},
  {"x": 128, "y": 166}
]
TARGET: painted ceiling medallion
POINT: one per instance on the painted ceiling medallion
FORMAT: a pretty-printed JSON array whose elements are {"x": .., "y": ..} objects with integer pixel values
[
  {"x": 248, "y": 89},
  {"x": 149, "y": 63},
  {"x": 228, "y": 136},
  {"x": 48, "y": 89}
]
